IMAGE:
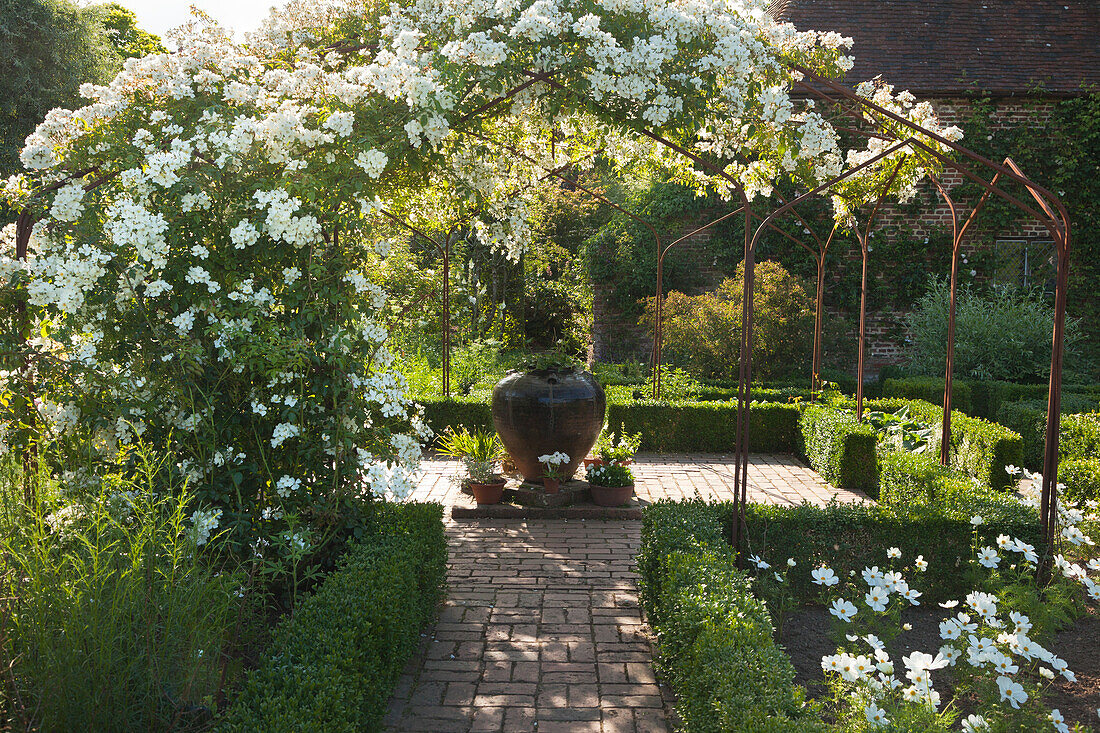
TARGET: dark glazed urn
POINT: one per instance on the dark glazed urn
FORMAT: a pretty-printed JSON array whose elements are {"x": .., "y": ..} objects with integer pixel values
[{"x": 547, "y": 410}]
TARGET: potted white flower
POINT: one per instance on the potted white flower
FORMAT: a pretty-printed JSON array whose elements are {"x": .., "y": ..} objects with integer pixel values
[{"x": 554, "y": 470}]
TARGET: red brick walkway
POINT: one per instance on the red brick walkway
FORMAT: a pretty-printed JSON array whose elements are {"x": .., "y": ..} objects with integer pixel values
[
  {"x": 773, "y": 479},
  {"x": 542, "y": 632}
]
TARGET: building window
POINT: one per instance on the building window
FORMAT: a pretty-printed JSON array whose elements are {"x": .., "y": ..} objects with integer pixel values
[{"x": 1024, "y": 264}]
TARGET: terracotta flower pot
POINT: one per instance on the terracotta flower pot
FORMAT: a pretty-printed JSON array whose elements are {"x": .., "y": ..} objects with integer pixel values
[
  {"x": 589, "y": 462},
  {"x": 611, "y": 495},
  {"x": 487, "y": 493},
  {"x": 552, "y": 485}
]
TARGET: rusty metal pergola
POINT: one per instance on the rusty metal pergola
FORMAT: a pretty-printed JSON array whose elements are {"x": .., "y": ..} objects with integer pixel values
[{"x": 961, "y": 161}]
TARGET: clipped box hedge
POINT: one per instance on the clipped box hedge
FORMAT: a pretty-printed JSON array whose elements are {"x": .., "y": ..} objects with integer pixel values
[
  {"x": 666, "y": 427},
  {"x": 985, "y": 399},
  {"x": 840, "y": 448},
  {"x": 716, "y": 644},
  {"x": 333, "y": 664},
  {"x": 849, "y": 537},
  {"x": 915, "y": 480},
  {"x": 708, "y": 427},
  {"x": 979, "y": 448},
  {"x": 930, "y": 389},
  {"x": 1081, "y": 477},
  {"x": 1079, "y": 434}
]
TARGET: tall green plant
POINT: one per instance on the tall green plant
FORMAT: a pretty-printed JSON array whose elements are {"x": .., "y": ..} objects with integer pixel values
[
  {"x": 702, "y": 333},
  {"x": 999, "y": 334},
  {"x": 113, "y": 619}
]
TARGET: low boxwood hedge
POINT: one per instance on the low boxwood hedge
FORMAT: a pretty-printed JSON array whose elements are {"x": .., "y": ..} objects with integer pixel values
[
  {"x": 979, "y": 448},
  {"x": 849, "y": 537},
  {"x": 840, "y": 448},
  {"x": 985, "y": 399},
  {"x": 666, "y": 427},
  {"x": 909, "y": 480},
  {"x": 471, "y": 412},
  {"x": 715, "y": 639},
  {"x": 1079, "y": 434},
  {"x": 333, "y": 664},
  {"x": 709, "y": 427},
  {"x": 930, "y": 389},
  {"x": 1081, "y": 477}
]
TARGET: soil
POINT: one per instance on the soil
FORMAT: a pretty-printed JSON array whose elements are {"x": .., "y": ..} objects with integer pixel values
[{"x": 805, "y": 636}]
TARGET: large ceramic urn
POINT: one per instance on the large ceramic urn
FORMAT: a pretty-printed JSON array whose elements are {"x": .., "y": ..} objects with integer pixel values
[{"x": 546, "y": 410}]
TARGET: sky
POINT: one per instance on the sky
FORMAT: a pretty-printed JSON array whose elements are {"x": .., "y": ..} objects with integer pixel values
[{"x": 157, "y": 16}]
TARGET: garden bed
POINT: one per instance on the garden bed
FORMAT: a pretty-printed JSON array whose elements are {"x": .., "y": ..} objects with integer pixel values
[
  {"x": 805, "y": 638},
  {"x": 702, "y": 607}
]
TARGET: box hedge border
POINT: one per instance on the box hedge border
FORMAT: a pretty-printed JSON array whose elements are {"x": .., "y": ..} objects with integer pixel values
[
  {"x": 979, "y": 448},
  {"x": 1081, "y": 477},
  {"x": 666, "y": 427},
  {"x": 840, "y": 448},
  {"x": 715, "y": 639},
  {"x": 334, "y": 663},
  {"x": 985, "y": 399}
]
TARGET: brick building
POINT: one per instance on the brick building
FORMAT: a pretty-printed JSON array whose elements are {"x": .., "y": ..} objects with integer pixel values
[{"x": 1022, "y": 56}]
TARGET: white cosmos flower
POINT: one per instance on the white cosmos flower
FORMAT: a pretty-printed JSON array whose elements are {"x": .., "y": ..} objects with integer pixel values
[
  {"x": 1011, "y": 692},
  {"x": 988, "y": 557},
  {"x": 877, "y": 598},
  {"x": 843, "y": 610},
  {"x": 876, "y": 716},
  {"x": 975, "y": 724}
]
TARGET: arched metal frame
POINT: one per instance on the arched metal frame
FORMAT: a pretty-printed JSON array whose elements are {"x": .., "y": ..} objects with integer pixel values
[{"x": 1053, "y": 216}]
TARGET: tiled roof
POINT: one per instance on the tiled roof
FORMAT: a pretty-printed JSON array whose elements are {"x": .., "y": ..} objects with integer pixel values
[{"x": 945, "y": 47}]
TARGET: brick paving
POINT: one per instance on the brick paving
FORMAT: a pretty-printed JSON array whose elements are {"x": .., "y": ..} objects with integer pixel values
[
  {"x": 542, "y": 630},
  {"x": 773, "y": 479}
]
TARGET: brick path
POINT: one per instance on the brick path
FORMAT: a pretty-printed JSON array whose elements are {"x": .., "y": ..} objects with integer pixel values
[
  {"x": 773, "y": 479},
  {"x": 542, "y": 632}
]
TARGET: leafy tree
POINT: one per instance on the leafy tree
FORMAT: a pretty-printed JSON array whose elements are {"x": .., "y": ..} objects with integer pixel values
[
  {"x": 50, "y": 48},
  {"x": 702, "y": 333},
  {"x": 54, "y": 46},
  {"x": 120, "y": 26}
]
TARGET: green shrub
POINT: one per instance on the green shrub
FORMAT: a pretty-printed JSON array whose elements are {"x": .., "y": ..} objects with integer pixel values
[
  {"x": 473, "y": 413},
  {"x": 1081, "y": 477},
  {"x": 702, "y": 333},
  {"x": 918, "y": 480},
  {"x": 1079, "y": 435},
  {"x": 666, "y": 427},
  {"x": 628, "y": 373},
  {"x": 1000, "y": 334},
  {"x": 849, "y": 537},
  {"x": 681, "y": 427},
  {"x": 930, "y": 389},
  {"x": 1028, "y": 418},
  {"x": 715, "y": 639},
  {"x": 840, "y": 448},
  {"x": 333, "y": 665},
  {"x": 979, "y": 448}
]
